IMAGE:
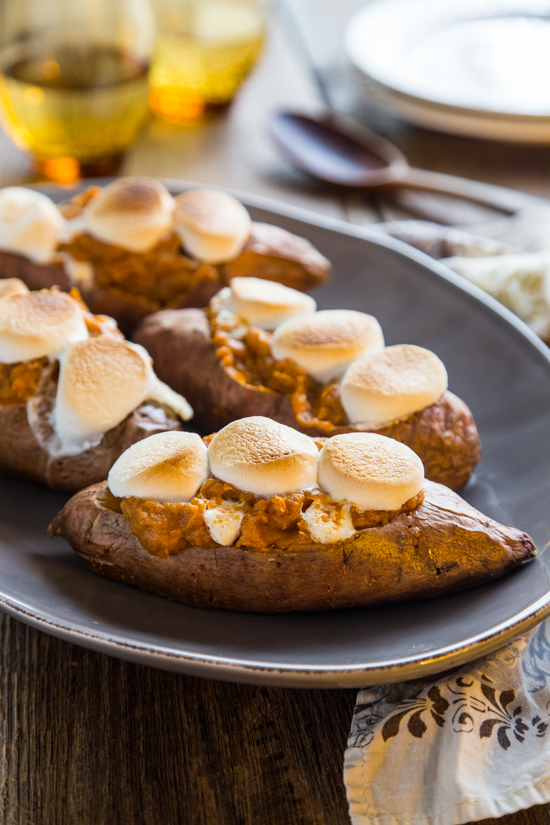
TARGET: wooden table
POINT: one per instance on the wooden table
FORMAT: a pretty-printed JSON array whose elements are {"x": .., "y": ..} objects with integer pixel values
[{"x": 90, "y": 740}]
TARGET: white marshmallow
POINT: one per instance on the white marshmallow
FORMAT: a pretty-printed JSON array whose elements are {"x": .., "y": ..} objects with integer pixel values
[
  {"x": 325, "y": 342},
  {"x": 81, "y": 273},
  {"x": 392, "y": 384},
  {"x": 12, "y": 286},
  {"x": 30, "y": 224},
  {"x": 264, "y": 304},
  {"x": 369, "y": 470},
  {"x": 328, "y": 523},
  {"x": 101, "y": 381},
  {"x": 133, "y": 213},
  {"x": 213, "y": 226},
  {"x": 169, "y": 467},
  {"x": 263, "y": 457},
  {"x": 38, "y": 324},
  {"x": 224, "y": 522}
]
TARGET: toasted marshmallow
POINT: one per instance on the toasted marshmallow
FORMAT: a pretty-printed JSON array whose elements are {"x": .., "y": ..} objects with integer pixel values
[
  {"x": 80, "y": 273},
  {"x": 168, "y": 467},
  {"x": 213, "y": 226},
  {"x": 133, "y": 213},
  {"x": 12, "y": 286},
  {"x": 386, "y": 386},
  {"x": 224, "y": 522},
  {"x": 30, "y": 224},
  {"x": 101, "y": 381},
  {"x": 324, "y": 343},
  {"x": 38, "y": 324},
  {"x": 263, "y": 457},
  {"x": 264, "y": 304},
  {"x": 329, "y": 523},
  {"x": 369, "y": 470}
]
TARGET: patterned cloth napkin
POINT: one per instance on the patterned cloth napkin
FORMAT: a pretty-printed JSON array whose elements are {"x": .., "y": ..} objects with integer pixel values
[
  {"x": 470, "y": 744},
  {"x": 473, "y": 742}
]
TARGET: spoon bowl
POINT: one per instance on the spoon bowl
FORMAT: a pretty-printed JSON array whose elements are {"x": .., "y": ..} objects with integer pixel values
[{"x": 337, "y": 151}]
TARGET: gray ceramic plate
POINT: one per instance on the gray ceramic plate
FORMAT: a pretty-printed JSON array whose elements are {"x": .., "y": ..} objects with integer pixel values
[{"x": 494, "y": 363}]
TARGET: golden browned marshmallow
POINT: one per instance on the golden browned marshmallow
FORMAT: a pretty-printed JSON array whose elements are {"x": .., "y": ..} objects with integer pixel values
[
  {"x": 389, "y": 385},
  {"x": 30, "y": 223},
  {"x": 264, "y": 304},
  {"x": 324, "y": 343},
  {"x": 101, "y": 381},
  {"x": 133, "y": 213},
  {"x": 12, "y": 286},
  {"x": 369, "y": 470},
  {"x": 164, "y": 467},
  {"x": 260, "y": 456},
  {"x": 38, "y": 324},
  {"x": 213, "y": 226}
]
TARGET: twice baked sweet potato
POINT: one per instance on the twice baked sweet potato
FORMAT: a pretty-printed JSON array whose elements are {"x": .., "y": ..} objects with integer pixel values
[
  {"x": 444, "y": 434},
  {"x": 441, "y": 546},
  {"x": 128, "y": 286},
  {"x": 28, "y": 442}
]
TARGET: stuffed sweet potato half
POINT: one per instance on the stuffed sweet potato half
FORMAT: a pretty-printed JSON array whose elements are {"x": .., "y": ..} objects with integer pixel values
[
  {"x": 262, "y": 349},
  {"x": 73, "y": 393},
  {"x": 132, "y": 249},
  {"x": 266, "y": 520}
]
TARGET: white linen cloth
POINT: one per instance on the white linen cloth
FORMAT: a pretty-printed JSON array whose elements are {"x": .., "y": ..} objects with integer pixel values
[
  {"x": 469, "y": 744},
  {"x": 473, "y": 742}
]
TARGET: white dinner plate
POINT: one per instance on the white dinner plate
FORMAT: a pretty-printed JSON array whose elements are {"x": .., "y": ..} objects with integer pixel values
[{"x": 473, "y": 67}]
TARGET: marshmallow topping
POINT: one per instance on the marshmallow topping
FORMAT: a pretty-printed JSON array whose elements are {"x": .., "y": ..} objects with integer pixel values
[
  {"x": 30, "y": 223},
  {"x": 133, "y": 213},
  {"x": 38, "y": 324},
  {"x": 369, "y": 470},
  {"x": 264, "y": 304},
  {"x": 389, "y": 385},
  {"x": 101, "y": 381},
  {"x": 213, "y": 225},
  {"x": 169, "y": 467},
  {"x": 324, "y": 343},
  {"x": 263, "y": 457},
  {"x": 12, "y": 286}
]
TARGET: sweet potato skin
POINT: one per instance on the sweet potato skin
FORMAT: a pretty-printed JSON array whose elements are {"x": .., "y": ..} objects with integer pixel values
[
  {"x": 444, "y": 435},
  {"x": 26, "y": 431},
  {"x": 442, "y": 546},
  {"x": 35, "y": 276}
]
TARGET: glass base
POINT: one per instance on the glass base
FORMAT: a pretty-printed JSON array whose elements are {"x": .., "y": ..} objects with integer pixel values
[
  {"x": 180, "y": 108},
  {"x": 70, "y": 170}
]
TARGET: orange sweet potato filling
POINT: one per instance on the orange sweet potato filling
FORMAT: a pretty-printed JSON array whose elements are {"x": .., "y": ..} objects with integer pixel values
[
  {"x": 164, "y": 529},
  {"x": 19, "y": 382},
  {"x": 249, "y": 361},
  {"x": 156, "y": 279}
]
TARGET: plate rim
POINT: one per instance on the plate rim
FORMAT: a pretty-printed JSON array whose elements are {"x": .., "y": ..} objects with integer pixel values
[{"x": 288, "y": 675}]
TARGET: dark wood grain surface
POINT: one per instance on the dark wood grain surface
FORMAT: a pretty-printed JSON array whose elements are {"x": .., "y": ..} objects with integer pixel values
[{"x": 90, "y": 740}]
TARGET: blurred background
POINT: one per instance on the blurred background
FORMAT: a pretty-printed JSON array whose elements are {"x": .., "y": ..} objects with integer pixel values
[{"x": 182, "y": 88}]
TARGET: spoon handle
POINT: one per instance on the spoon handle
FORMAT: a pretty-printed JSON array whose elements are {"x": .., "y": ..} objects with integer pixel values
[{"x": 497, "y": 197}]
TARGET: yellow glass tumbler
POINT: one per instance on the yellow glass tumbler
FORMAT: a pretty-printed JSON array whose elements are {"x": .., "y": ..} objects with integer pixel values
[
  {"x": 74, "y": 80},
  {"x": 204, "y": 50}
]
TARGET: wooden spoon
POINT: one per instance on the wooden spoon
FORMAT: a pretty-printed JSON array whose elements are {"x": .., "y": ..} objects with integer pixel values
[{"x": 340, "y": 151}]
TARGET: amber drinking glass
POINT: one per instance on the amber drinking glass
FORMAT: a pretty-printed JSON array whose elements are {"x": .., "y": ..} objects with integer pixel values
[
  {"x": 204, "y": 50},
  {"x": 74, "y": 80}
]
